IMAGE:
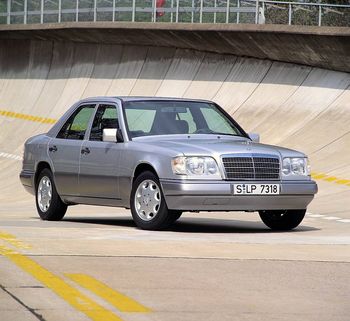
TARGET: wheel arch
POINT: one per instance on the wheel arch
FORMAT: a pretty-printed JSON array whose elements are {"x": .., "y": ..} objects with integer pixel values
[
  {"x": 143, "y": 167},
  {"x": 39, "y": 168}
]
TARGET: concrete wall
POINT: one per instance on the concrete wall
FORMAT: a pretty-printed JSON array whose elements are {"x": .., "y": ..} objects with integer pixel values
[{"x": 294, "y": 105}]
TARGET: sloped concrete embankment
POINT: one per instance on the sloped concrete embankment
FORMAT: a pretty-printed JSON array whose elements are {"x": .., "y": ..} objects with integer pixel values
[{"x": 297, "y": 106}]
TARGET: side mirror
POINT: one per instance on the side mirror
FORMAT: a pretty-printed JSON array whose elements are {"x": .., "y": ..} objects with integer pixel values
[
  {"x": 112, "y": 135},
  {"x": 254, "y": 137}
]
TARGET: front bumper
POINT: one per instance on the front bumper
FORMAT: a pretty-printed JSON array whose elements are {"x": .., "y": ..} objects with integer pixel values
[
  {"x": 27, "y": 180},
  {"x": 218, "y": 196}
]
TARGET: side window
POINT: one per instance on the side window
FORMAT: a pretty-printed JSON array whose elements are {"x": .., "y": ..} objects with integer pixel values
[
  {"x": 106, "y": 117},
  {"x": 76, "y": 125}
]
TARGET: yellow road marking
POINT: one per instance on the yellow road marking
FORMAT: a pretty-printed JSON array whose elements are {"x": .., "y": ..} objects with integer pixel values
[
  {"x": 11, "y": 239},
  {"x": 343, "y": 181},
  {"x": 38, "y": 119},
  {"x": 117, "y": 299},
  {"x": 73, "y": 296},
  {"x": 318, "y": 175},
  {"x": 330, "y": 179}
]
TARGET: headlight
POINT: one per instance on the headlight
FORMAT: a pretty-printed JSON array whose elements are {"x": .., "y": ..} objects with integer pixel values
[
  {"x": 204, "y": 167},
  {"x": 296, "y": 166}
]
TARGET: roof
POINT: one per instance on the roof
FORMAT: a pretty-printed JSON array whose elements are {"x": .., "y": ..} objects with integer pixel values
[{"x": 140, "y": 98}]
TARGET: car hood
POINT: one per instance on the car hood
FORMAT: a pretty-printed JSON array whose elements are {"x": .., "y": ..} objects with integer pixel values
[{"x": 218, "y": 145}]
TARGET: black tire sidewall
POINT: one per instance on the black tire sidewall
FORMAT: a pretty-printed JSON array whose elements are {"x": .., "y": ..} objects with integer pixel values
[
  {"x": 57, "y": 208},
  {"x": 163, "y": 218},
  {"x": 176, "y": 214},
  {"x": 290, "y": 220}
]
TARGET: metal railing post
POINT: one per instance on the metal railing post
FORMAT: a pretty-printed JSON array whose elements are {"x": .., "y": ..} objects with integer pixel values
[
  {"x": 192, "y": 12},
  {"x": 113, "y": 13},
  {"x": 201, "y": 12},
  {"x": 77, "y": 11},
  {"x": 59, "y": 10},
  {"x": 227, "y": 11},
  {"x": 257, "y": 12},
  {"x": 290, "y": 14},
  {"x": 238, "y": 6},
  {"x": 154, "y": 11},
  {"x": 263, "y": 6},
  {"x": 25, "y": 11},
  {"x": 42, "y": 11},
  {"x": 8, "y": 18},
  {"x": 319, "y": 15},
  {"x": 215, "y": 6},
  {"x": 133, "y": 14},
  {"x": 171, "y": 13},
  {"x": 177, "y": 11},
  {"x": 95, "y": 10}
]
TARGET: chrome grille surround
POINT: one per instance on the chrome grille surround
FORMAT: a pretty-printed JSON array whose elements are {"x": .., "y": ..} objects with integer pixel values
[{"x": 255, "y": 167}]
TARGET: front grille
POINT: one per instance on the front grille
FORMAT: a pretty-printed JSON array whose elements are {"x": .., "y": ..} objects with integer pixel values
[{"x": 257, "y": 168}]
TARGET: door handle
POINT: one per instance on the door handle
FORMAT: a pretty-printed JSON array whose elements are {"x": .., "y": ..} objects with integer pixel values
[
  {"x": 53, "y": 148},
  {"x": 85, "y": 150}
]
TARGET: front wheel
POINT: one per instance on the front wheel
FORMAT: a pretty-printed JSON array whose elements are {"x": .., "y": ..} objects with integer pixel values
[
  {"x": 48, "y": 203},
  {"x": 282, "y": 220},
  {"x": 175, "y": 215},
  {"x": 147, "y": 204}
]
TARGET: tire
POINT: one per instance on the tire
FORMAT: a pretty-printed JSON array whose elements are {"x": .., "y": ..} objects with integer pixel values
[
  {"x": 282, "y": 220},
  {"x": 175, "y": 214},
  {"x": 147, "y": 204},
  {"x": 48, "y": 203}
]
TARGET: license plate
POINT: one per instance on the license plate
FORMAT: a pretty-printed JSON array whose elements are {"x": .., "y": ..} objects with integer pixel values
[{"x": 256, "y": 189}]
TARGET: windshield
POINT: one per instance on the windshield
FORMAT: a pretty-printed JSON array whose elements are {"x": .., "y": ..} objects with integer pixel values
[{"x": 146, "y": 118}]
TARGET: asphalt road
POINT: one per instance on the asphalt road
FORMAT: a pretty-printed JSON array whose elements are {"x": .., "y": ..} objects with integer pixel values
[{"x": 220, "y": 266}]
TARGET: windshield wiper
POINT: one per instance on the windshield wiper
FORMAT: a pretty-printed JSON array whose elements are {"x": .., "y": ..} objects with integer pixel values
[{"x": 218, "y": 133}]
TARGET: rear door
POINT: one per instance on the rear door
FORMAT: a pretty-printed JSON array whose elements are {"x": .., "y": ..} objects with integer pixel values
[
  {"x": 98, "y": 176},
  {"x": 64, "y": 150}
]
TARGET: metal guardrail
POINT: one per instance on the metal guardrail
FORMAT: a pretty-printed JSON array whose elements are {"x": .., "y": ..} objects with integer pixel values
[{"x": 192, "y": 11}]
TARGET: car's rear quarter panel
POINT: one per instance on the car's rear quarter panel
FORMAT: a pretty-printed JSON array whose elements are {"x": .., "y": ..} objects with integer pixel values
[{"x": 35, "y": 151}]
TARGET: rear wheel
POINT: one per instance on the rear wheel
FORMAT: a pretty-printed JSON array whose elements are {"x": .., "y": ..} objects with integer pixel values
[
  {"x": 282, "y": 220},
  {"x": 147, "y": 204},
  {"x": 48, "y": 203}
]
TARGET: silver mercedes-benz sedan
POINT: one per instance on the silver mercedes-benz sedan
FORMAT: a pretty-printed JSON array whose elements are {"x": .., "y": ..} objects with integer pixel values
[{"x": 161, "y": 157}]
